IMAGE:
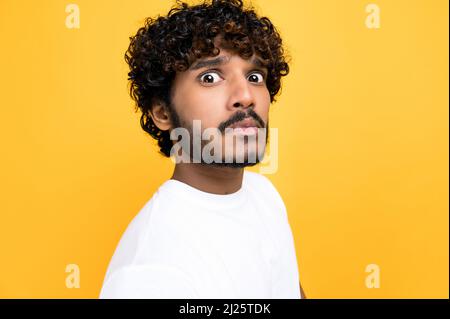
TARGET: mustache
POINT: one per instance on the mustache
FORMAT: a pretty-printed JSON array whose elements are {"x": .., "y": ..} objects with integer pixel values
[{"x": 239, "y": 116}]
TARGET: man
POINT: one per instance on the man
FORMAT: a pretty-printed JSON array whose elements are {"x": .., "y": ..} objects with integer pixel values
[{"x": 213, "y": 230}]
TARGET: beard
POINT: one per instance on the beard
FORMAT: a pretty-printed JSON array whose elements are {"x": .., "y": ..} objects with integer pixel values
[{"x": 248, "y": 159}]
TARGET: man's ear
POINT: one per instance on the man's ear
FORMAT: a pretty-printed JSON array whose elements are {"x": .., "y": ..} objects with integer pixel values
[{"x": 160, "y": 116}]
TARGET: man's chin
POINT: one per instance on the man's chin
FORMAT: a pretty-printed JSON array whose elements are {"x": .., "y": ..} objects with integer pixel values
[{"x": 232, "y": 164}]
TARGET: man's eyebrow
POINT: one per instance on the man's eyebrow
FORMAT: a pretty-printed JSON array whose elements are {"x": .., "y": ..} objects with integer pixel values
[
  {"x": 258, "y": 62},
  {"x": 208, "y": 63},
  {"x": 222, "y": 60}
]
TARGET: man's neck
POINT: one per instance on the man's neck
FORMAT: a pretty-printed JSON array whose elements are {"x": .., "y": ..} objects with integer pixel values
[{"x": 209, "y": 178}]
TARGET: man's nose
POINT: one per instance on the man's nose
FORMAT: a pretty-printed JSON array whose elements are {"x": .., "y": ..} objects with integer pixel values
[{"x": 242, "y": 95}]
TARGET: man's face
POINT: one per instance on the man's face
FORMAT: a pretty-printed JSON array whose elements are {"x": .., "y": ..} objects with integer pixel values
[{"x": 225, "y": 91}]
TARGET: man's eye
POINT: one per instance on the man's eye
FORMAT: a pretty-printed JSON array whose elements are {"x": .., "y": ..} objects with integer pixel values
[
  {"x": 256, "y": 77},
  {"x": 210, "y": 77}
]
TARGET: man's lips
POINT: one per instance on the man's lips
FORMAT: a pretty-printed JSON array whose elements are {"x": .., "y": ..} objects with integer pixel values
[
  {"x": 251, "y": 130},
  {"x": 246, "y": 123},
  {"x": 247, "y": 127}
]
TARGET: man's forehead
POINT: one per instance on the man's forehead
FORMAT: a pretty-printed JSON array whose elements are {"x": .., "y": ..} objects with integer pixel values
[{"x": 223, "y": 58}]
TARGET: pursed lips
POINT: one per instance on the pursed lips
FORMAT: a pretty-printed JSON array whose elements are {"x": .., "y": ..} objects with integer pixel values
[
  {"x": 245, "y": 123},
  {"x": 247, "y": 126}
]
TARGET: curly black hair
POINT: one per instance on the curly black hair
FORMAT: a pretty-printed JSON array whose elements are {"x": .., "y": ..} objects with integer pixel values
[{"x": 170, "y": 44}]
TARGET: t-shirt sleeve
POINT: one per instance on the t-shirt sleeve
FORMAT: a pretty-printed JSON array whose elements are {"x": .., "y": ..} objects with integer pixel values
[{"x": 153, "y": 281}]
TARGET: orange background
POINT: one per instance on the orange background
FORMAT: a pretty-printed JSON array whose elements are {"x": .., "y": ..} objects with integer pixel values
[{"x": 363, "y": 144}]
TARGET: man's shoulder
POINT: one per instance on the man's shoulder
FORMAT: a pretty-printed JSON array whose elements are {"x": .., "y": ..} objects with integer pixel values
[
  {"x": 134, "y": 238},
  {"x": 258, "y": 179},
  {"x": 265, "y": 188}
]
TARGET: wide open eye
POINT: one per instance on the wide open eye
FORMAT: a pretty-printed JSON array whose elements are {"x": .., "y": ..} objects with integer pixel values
[
  {"x": 256, "y": 77},
  {"x": 210, "y": 77}
]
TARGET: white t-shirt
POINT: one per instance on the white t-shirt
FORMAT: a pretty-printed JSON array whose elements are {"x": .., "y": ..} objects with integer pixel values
[{"x": 190, "y": 244}]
